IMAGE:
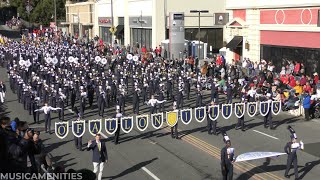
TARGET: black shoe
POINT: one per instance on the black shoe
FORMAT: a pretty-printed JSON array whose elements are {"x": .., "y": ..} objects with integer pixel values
[
  {"x": 266, "y": 127},
  {"x": 237, "y": 128},
  {"x": 210, "y": 133},
  {"x": 243, "y": 130}
]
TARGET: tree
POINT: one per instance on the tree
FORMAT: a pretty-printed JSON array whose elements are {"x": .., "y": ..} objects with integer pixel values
[{"x": 42, "y": 10}]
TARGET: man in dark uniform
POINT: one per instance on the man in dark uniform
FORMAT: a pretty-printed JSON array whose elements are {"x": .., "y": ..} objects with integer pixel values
[
  {"x": 291, "y": 149},
  {"x": 117, "y": 134},
  {"x": 61, "y": 98},
  {"x": 229, "y": 93},
  {"x": 211, "y": 125},
  {"x": 227, "y": 159},
  {"x": 169, "y": 88},
  {"x": 101, "y": 101},
  {"x": 241, "y": 119},
  {"x": 73, "y": 96},
  {"x": 135, "y": 100},
  {"x": 161, "y": 98},
  {"x": 174, "y": 129},
  {"x": 199, "y": 96},
  {"x": 36, "y": 105},
  {"x": 78, "y": 140},
  {"x": 268, "y": 117}
]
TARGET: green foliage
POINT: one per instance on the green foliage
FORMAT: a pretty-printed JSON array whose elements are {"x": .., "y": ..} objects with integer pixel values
[{"x": 42, "y": 12}]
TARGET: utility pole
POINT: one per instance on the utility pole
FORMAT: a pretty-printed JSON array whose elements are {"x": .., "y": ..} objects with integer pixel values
[
  {"x": 112, "y": 22},
  {"x": 199, "y": 13},
  {"x": 55, "y": 15}
]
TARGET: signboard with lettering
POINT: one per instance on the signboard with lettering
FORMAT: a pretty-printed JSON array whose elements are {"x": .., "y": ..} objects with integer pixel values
[{"x": 104, "y": 21}]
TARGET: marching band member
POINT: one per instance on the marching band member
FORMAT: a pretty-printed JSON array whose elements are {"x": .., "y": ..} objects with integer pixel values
[
  {"x": 135, "y": 100},
  {"x": 211, "y": 125},
  {"x": 118, "y": 115},
  {"x": 291, "y": 149},
  {"x": 268, "y": 117},
  {"x": 241, "y": 119},
  {"x": 227, "y": 158},
  {"x": 153, "y": 103},
  {"x": 2, "y": 92},
  {"x": 174, "y": 134},
  {"x": 47, "y": 116}
]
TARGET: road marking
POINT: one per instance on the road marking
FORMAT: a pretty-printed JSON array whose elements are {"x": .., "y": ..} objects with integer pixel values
[
  {"x": 266, "y": 134},
  {"x": 215, "y": 152},
  {"x": 103, "y": 135},
  {"x": 70, "y": 110},
  {"x": 150, "y": 173}
]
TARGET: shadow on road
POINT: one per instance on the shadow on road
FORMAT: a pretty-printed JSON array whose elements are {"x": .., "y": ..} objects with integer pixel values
[{"x": 132, "y": 169}]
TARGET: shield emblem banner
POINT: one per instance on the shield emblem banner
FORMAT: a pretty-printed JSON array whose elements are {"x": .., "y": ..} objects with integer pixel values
[
  {"x": 142, "y": 122},
  {"x": 172, "y": 118},
  {"x": 62, "y": 129},
  {"x": 276, "y": 107},
  {"x": 252, "y": 108},
  {"x": 78, "y": 128},
  {"x": 127, "y": 124},
  {"x": 200, "y": 113},
  {"x": 239, "y": 109},
  {"x": 213, "y": 112},
  {"x": 157, "y": 120},
  {"x": 226, "y": 110},
  {"x": 111, "y": 125},
  {"x": 95, "y": 126},
  {"x": 186, "y": 116},
  {"x": 264, "y": 108}
]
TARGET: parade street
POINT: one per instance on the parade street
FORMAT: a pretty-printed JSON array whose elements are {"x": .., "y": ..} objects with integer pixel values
[{"x": 153, "y": 154}]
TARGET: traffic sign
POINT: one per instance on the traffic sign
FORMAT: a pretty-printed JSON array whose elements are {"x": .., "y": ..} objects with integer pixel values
[{"x": 113, "y": 29}]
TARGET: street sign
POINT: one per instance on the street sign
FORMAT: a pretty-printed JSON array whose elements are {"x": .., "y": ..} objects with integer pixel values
[{"x": 113, "y": 29}]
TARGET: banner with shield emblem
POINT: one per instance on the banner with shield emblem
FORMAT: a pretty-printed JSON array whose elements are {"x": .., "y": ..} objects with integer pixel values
[
  {"x": 239, "y": 109},
  {"x": 95, "y": 126},
  {"x": 276, "y": 107},
  {"x": 264, "y": 108},
  {"x": 172, "y": 118},
  {"x": 213, "y": 112},
  {"x": 200, "y": 114},
  {"x": 111, "y": 125},
  {"x": 226, "y": 110},
  {"x": 157, "y": 120},
  {"x": 186, "y": 116},
  {"x": 127, "y": 124},
  {"x": 252, "y": 108},
  {"x": 62, "y": 129},
  {"x": 142, "y": 122},
  {"x": 78, "y": 128}
]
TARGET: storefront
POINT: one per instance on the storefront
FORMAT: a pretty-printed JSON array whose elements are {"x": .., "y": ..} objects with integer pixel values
[
  {"x": 141, "y": 31},
  {"x": 105, "y": 24},
  {"x": 276, "y": 31}
]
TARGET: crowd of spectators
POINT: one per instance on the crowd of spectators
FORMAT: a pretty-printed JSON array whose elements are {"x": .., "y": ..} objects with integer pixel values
[{"x": 13, "y": 22}]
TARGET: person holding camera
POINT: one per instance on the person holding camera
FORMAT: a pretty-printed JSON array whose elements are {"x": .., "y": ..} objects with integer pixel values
[{"x": 23, "y": 152}]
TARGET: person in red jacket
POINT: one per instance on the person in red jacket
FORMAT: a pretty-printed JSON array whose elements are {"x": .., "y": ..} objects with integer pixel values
[
  {"x": 296, "y": 69},
  {"x": 144, "y": 49}
]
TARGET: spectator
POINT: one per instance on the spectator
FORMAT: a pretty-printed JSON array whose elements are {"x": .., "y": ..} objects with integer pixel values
[{"x": 306, "y": 106}]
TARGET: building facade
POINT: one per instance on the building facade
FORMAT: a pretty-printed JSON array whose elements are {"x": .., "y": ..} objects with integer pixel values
[
  {"x": 80, "y": 18},
  {"x": 145, "y": 22},
  {"x": 276, "y": 31}
]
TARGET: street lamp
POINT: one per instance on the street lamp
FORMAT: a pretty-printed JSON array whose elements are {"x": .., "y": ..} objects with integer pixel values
[{"x": 199, "y": 12}]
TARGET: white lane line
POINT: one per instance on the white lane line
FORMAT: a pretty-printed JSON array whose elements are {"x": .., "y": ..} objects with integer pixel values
[
  {"x": 70, "y": 110},
  {"x": 103, "y": 135},
  {"x": 265, "y": 134},
  {"x": 150, "y": 173}
]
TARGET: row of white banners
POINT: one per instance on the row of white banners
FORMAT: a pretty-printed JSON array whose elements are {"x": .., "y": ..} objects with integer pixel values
[{"x": 172, "y": 117}]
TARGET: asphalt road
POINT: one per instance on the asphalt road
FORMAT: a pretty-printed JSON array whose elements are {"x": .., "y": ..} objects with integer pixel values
[{"x": 153, "y": 154}]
